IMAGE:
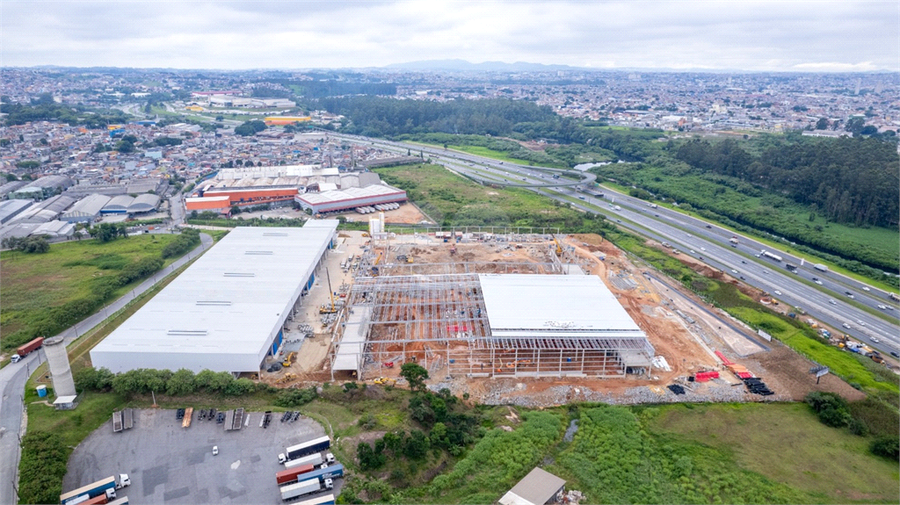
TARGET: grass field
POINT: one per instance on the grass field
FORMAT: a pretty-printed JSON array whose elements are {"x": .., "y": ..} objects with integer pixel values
[
  {"x": 454, "y": 201},
  {"x": 499, "y": 155},
  {"x": 787, "y": 444},
  {"x": 65, "y": 273}
]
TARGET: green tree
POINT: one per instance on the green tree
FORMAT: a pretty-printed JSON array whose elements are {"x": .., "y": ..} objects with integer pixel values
[
  {"x": 415, "y": 375},
  {"x": 181, "y": 383},
  {"x": 822, "y": 124}
]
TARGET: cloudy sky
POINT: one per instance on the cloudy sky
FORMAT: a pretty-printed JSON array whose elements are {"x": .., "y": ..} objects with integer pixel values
[{"x": 837, "y": 35}]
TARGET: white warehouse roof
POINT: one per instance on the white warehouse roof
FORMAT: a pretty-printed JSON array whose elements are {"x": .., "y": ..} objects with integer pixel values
[
  {"x": 523, "y": 305},
  {"x": 224, "y": 312}
]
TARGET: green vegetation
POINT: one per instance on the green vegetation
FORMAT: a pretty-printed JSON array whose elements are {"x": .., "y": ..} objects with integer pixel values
[
  {"x": 781, "y": 443},
  {"x": 69, "y": 282},
  {"x": 43, "y": 108},
  {"x": 502, "y": 149},
  {"x": 743, "y": 207},
  {"x": 454, "y": 201},
  {"x": 250, "y": 128}
]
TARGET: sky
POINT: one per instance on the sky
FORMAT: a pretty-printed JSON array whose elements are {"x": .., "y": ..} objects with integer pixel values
[{"x": 813, "y": 36}]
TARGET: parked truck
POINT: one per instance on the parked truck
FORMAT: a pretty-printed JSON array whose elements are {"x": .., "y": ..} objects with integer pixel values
[
  {"x": 306, "y": 487},
  {"x": 325, "y": 499},
  {"x": 292, "y": 474},
  {"x": 27, "y": 349},
  {"x": 105, "y": 486},
  {"x": 313, "y": 459},
  {"x": 329, "y": 472},
  {"x": 820, "y": 267},
  {"x": 300, "y": 450}
]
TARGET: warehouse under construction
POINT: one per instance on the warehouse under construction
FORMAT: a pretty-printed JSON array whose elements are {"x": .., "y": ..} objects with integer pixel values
[{"x": 489, "y": 319}]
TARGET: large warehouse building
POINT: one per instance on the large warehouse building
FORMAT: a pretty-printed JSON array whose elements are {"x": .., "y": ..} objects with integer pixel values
[
  {"x": 226, "y": 312},
  {"x": 492, "y": 325},
  {"x": 350, "y": 198}
]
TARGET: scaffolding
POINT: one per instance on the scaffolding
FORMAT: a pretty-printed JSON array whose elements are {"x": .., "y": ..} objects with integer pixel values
[{"x": 440, "y": 321}]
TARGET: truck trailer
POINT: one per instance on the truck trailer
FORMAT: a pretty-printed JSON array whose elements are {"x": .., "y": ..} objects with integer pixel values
[
  {"x": 314, "y": 445},
  {"x": 27, "y": 349},
  {"x": 306, "y": 487},
  {"x": 771, "y": 256},
  {"x": 292, "y": 474},
  {"x": 101, "y": 487},
  {"x": 313, "y": 459},
  {"x": 329, "y": 472},
  {"x": 325, "y": 499},
  {"x": 820, "y": 267}
]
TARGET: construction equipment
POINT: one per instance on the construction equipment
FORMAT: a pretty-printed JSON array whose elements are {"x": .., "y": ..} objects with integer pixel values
[
  {"x": 558, "y": 247},
  {"x": 289, "y": 359},
  {"x": 324, "y": 309},
  {"x": 388, "y": 364},
  {"x": 385, "y": 381},
  {"x": 287, "y": 378},
  {"x": 452, "y": 250}
]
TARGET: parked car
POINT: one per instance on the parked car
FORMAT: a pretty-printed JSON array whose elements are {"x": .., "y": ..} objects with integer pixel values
[{"x": 215, "y": 450}]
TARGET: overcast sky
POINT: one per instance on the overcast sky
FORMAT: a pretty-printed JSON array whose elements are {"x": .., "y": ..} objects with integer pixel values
[{"x": 839, "y": 35}]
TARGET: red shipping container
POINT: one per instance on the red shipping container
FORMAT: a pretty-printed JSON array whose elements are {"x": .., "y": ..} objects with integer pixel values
[
  {"x": 97, "y": 500},
  {"x": 290, "y": 475}
]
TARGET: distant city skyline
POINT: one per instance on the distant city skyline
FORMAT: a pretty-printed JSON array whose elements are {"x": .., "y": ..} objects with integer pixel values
[{"x": 811, "y": 36}]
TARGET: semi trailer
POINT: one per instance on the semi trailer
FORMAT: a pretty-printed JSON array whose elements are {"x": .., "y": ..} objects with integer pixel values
[{"x": 306, "y": 487}]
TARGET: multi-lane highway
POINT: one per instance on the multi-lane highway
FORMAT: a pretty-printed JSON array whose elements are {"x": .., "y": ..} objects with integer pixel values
[{"x": 870, "y": 315}]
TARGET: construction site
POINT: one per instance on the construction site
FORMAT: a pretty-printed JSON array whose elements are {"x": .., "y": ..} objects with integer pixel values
[{"x": 527, "y": 318}]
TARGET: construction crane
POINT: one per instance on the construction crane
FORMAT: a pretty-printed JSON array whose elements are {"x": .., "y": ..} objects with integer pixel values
[{"x": 324, "y": 309}]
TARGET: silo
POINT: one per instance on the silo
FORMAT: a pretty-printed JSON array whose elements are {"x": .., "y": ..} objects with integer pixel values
[{"x": 60, "y": 371}]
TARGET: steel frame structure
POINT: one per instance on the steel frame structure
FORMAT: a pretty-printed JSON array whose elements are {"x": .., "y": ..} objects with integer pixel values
[{"x": 440, "y": 321}]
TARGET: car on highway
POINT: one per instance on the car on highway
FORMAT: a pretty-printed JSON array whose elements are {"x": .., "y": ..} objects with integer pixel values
[
  {"x": 734, "y": 271},
  {"x": 693, "y": 251},
  {"x": 849, "y": 295},
  {"x": 866, "y": 288},
  {"x": 845, "y": 325},
  {"x": 831, "y": 301},
  {"x": 778, "y": 293},
  {"x": 744, "y": 262},
  {"x": 702, "y": 248},
  {"x": 215, "y": 450},
  {"x": 875, "y": 339},
  {"x": 882, "y": 307},
  {"x": 766, "y": 272},
  {"x": 895, "y": 354},
  {"x": 861, "y": 323},
  {"x": 817, "y": 281}
]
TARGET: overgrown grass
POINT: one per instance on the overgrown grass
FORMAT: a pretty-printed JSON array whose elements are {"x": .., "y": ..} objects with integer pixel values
[
  {"x": 454, "y": 201},
  {"x": 784, "y": 443},
  {"x": 66, "y": 273},
  {"x": 499, "y": 155}
]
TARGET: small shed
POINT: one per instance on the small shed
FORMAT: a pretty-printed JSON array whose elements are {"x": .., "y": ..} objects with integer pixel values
[
  {"x": 537, "y": 488},
  {"x": 65, "y": 402}
]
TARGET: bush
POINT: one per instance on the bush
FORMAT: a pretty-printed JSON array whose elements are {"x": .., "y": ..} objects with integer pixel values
[
  {"x": 43, "y": 467},
  {"x": 832, "y": 409},
  {"x": 888, "y": 447},
  {"x": 295, "y": 397}
]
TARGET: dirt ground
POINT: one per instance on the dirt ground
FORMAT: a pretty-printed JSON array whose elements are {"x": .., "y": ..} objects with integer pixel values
[
  {"x": 683, "y": 331},
  {"x": 407, "y": 213}
]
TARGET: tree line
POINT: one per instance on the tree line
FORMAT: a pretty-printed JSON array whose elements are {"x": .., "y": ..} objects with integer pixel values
[
  {"x": 848, "y": 180},
  {"x": 43, "y": 108}
]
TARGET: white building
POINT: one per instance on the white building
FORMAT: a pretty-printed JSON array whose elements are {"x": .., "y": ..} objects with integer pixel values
[{"x": 226, "y": 312}]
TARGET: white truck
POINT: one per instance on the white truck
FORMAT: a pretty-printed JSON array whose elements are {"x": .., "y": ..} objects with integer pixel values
[
  {"x": 313, "y": 459},
  {"x": 820, "y": 267},
  {"x": 306, "y": 487}
]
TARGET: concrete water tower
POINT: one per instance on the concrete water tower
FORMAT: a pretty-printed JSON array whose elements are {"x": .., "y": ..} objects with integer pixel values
[{"x": 60, "y": 371}]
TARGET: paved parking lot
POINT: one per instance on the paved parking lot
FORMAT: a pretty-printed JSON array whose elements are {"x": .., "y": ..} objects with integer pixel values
[{"x": 170, "y": 464}]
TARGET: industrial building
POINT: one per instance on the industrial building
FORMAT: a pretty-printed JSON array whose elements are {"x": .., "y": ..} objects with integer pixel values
[
  {"x": 45, "y": 211},
  {"x": 350, "y": 198},
  {"x": 539, "y": 487},
  {"x": 12, "y": 208},
  {"x": 86, "y": 210},
  {"x": 227, "y": 311},
  {"x": 492, "y": 325},
  {"x": 147, "y": 202},
  {"x": 42, "y": 188}
]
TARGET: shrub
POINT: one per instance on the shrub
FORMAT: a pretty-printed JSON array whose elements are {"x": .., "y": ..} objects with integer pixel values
[{"x": 888, "y": 447}]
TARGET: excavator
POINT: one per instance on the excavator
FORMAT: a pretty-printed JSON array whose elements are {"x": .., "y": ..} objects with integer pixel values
[{"x": 558, "y": 247}]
